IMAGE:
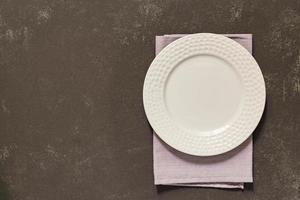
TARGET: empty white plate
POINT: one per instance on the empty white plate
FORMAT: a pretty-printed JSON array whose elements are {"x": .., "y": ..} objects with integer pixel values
[{"x": 204, "y": 94}]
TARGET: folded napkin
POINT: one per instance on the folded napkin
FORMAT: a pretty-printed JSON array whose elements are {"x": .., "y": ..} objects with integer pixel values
[{"x": 228, "y": 170}]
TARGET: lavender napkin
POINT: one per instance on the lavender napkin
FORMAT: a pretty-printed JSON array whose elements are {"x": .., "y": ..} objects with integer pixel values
[{"x": 228, "y": 170}]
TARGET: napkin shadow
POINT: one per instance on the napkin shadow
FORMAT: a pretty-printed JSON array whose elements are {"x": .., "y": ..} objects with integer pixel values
[
  {"x": 248, "y": 186},
  {"x": 166, "y": 188}
]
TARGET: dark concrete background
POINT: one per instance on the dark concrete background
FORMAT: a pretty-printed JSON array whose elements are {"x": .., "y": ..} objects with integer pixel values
[{"x": 71, "y": 114}]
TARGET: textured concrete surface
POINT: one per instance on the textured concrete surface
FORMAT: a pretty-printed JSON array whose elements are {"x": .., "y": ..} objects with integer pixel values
[{"x": 72, "y": 124}]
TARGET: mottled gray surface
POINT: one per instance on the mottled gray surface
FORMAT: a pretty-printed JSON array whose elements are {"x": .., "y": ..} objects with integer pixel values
[{"x": 72, "y": 124}]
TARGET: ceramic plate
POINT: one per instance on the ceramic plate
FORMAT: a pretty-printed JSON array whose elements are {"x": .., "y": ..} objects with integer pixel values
[{"x": 204, "y": 94}]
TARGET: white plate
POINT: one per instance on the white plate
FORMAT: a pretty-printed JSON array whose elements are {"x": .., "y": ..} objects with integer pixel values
[{"x": 204, "y": 94}]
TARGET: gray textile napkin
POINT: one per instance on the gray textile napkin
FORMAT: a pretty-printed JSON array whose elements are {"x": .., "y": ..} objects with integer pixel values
[{"x": 228, "y": 170}]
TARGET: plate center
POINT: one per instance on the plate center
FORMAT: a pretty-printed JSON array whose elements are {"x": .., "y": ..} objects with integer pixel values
[{"x": 203, "y": 93}]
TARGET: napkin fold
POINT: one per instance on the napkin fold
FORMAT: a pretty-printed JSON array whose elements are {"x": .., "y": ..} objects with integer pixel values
[{"x": 228, "y": 170}]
